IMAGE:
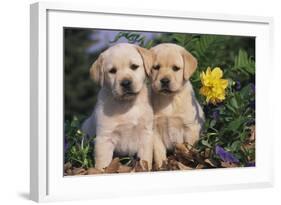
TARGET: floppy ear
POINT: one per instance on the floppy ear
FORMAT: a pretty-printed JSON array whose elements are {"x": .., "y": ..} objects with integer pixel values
[
  {"x": 147, "y": 58},
  {"x": 190, "y": 64},
  {"x": 96, "y": 71}
]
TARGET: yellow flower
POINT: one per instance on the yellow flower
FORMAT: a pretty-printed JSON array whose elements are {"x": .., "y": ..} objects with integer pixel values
[{"x": 213, "y": 86}]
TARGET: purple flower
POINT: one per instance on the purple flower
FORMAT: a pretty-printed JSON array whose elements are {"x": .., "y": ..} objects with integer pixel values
[
  {"x": 225, "y": 156},
  {"x": 237, "y": 85},
  {"x": 215, "y": 114}
]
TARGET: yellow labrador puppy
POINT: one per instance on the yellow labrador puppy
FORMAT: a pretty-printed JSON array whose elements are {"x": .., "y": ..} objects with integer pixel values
[
  {"x": 123, "y": 116},
  {"x": 178, "y": 117}
]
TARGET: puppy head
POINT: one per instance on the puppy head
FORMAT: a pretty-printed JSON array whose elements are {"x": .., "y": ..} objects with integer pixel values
[
  {"x": 172, "y": 67},
  {"x": 122, "y": 69}
]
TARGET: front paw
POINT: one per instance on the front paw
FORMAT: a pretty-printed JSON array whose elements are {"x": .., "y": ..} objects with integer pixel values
[
  {"x": 159, "y": 161},
  {"x": 101, "y": 165}
]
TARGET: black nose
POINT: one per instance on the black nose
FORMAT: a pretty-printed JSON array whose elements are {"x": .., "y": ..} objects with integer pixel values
[
  {"x": 126, "y": 83},
  {"x": 165, "y": 81}
]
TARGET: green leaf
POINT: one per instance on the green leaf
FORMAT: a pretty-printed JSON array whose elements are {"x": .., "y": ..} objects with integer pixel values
[
  {"x": 206, "y": 143},
  {"x": 212, "y": 123},
  {"x": 235, "y": 124},
  {"x": 243, "y": 63},
  {"x": 229, "y": 107},
  {"x": 234, "y": 103},
  {"x": 149, "y": 44},
  {"x": 235, "y": 145}
]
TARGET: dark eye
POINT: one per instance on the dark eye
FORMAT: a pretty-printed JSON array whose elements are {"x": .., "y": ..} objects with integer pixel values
[
  {"x": 156, "y": 67},
  {"x": 134, "y": 67},
  {"x": 113, "y": 70},
  {"x": 176, "y": 68}
]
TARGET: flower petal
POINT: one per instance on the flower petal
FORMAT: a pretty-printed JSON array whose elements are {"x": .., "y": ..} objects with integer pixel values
[{"x": 217, "y": 73}]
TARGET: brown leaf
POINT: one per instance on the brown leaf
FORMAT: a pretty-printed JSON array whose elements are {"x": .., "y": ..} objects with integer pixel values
[
  {"x": 200, "y": 159},
  {"x": 249, "y": 145},
  {"x": 93, "y": 170},
  {"x": 69, "y": 172},
  {"x": 186, "y": 155},
  {"x": 67, "y": 166},
  {"x": 183, "y": 167},
  {"x": 78, "y": 171},
  {"x": 172, "y": 164},
  {"x": 200, "y": 166},
  {"x": 124, "y": 169},
  {"x": 113, "y": 166},
  {"x": 209, "y": 163},
  {"x": 253, "y": 134},
  {"x": 228, "y": 164},
  {"x": 207, "y": 153}
]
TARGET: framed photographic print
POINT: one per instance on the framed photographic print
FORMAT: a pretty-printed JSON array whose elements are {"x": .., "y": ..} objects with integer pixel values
[{"x": 149, "y": 101}]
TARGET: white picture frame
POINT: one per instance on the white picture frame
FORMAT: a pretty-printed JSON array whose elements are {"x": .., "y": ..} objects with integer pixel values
[{"x": 47, "y": 182}]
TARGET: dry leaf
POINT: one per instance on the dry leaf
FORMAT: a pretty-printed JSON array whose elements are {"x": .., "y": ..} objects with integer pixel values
[
  {"x": 69, "y": 172},
  {"x": 124, "y": 169},
  {"x": 253, "y": 134},
  {"x": 207, "y": 153},
  {"x": 200, "y": 166},
  {"x": 209, "y": 163},
  {"x": 172, "y": 164},
  {"x": 93, "y": 171},
  {"x": 67, "y": 166},
  {"x": 113, "y": 166},
  {"x": 184, "y": 155},
  {"x": 183, "y": 167},
  {"x": 228, "y": 164},
  {"x": 79, "y": 171}
]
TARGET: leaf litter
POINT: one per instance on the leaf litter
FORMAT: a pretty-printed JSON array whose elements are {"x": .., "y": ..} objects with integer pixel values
[{"x": 184, "y": 157}]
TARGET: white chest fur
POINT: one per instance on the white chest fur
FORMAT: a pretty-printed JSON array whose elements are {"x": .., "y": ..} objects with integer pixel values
[
  {"x": 124, "y": 123},
  {"x": 177, "y": 118}
]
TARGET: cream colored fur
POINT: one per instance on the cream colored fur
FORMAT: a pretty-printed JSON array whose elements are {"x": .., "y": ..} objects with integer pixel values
[
  {"x": 121, "y": 123},
  {"x": 178, "y": 117}
]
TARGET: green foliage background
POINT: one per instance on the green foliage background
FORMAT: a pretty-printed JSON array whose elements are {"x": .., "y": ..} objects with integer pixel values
[{"x": 228, "y": 124}]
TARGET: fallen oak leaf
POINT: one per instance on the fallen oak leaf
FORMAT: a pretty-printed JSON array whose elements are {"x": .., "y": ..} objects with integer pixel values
[
  {"x": 67, "y": 166},
  {"x": 209, "y": 163},
  {"x": 186, "y": 161},
  {"x": 93, "y": 170},
  {"x": 79, "y": 171},
  {"x": 68, "y": 172},
  {"x": 207, "y": 153},
  {"x": 183, "y": 167},
  {"x": 182, "y": 152},
  {"x": 172, "y": 165},
  {"x": 228, "y": 165},
  {"x": 200, "y": 166},
  {"x": 196, "y": 156},
  {"x": 124, "y": 169},
  {"x": 113, "y": 166}
]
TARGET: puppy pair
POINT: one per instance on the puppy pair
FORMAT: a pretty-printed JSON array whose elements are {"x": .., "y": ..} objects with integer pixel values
[{"x": 127, "y": 119}]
